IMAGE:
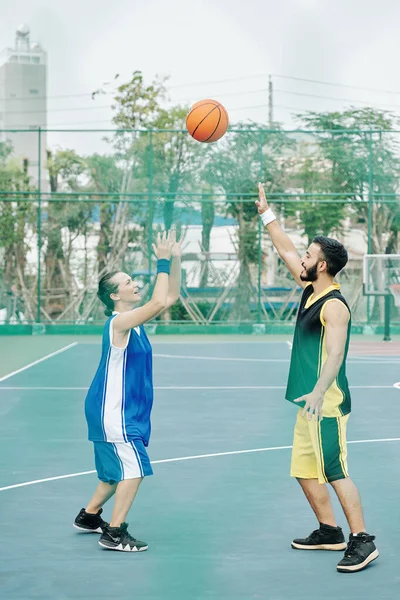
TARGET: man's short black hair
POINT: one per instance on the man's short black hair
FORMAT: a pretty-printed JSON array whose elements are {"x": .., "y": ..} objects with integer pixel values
[{"x": 333, "y": 253}]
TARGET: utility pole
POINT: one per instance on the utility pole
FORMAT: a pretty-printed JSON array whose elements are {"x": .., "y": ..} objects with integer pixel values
[{"x": 270, "y": 103}]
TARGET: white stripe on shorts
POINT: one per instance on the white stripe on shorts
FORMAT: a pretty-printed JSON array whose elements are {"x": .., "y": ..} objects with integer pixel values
[
  {"x": 130, "y": 460},
  {"x": 138, "y": 458}
]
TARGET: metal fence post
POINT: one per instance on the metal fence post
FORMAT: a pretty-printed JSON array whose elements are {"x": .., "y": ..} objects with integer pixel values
[
  {"x": 370, "y": 210},
  {"x": 39, "y": 222},
  {"x": 150, "y": 213}
]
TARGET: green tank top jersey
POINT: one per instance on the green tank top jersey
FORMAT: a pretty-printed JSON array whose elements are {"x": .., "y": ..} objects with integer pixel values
[{"x": 309, "y": 353}]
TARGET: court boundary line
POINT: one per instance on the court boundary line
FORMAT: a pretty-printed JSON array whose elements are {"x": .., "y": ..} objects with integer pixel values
[
  {"x": 183, "y": 458},
  {"x": 350, "y": 360},
  {"x": 222, "y": 358},
  {"x": 36, "y": 362},
  {"x": 194, "y": 387}
]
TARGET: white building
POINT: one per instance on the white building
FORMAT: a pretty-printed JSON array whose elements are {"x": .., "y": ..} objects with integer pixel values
[{"x": 23, "y": 103}]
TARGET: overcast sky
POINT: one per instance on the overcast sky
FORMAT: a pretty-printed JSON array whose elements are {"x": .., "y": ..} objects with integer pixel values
[{"x": 204, "y": 42}]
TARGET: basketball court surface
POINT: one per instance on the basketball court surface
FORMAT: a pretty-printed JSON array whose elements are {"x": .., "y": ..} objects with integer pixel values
[{"x": 221, "y": 509}]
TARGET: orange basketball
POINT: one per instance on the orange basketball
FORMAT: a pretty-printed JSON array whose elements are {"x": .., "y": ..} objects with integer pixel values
[{"x": 207, "y": 121}]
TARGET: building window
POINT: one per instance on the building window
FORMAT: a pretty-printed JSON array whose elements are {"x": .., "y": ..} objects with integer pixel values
[
  {"x": 35, "y": 59},
  {"x": 33, "y": 92}
]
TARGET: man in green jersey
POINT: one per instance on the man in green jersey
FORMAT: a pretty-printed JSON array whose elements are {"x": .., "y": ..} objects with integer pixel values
[{"x": 318, "y": 384}]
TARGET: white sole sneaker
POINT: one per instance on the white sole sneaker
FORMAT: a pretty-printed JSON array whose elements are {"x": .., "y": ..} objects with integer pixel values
[
  {"x": 83, "y": 530},
  {"x": 121, "y": 548},
  {"x": 334, "y": 547},
  {"x": 354, "y": 568}
]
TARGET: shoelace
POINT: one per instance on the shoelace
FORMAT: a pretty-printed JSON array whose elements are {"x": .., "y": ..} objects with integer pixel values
[
  {"x": 352, "y": 544},
  {"x": 315, "y": 533},
  {"x": 350, "y": 547},
  {"x": 126, "y": 536}
]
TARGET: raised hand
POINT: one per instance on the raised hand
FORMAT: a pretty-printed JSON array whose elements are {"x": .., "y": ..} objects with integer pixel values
[
  {"x": 164, "y": 244},
  {"x": 261, "y": 203},
  {"x": 177, "y": 248}
]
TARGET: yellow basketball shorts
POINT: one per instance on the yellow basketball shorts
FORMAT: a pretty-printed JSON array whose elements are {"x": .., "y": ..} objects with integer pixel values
[{"x": 319, "y": 449}]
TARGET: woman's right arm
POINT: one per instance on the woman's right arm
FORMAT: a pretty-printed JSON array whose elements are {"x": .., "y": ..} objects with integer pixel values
[{"x": 132, "y": 318}]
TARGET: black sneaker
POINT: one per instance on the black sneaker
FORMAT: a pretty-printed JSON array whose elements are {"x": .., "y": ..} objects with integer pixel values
[
  {"x": 324, "y": 538},
  {"x": 89, "y": 523},
  {"x": 118, "y": 538},
  {"x": 360, "y": 551}
]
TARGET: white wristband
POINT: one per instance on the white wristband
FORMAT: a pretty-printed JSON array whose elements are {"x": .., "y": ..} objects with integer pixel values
[{"x": 267, "y": 217}]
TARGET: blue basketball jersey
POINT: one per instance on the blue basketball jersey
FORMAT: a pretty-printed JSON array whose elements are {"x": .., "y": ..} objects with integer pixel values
[{"x": 120, "y": 398}]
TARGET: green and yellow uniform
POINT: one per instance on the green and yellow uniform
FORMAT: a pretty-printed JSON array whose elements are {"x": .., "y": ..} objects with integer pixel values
[{"x": 319, "y": 447}]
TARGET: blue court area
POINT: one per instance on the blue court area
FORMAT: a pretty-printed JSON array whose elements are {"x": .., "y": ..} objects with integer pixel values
[{"x": 221, "y": 510}]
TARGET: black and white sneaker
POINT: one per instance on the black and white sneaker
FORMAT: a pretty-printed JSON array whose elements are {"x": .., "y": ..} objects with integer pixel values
[
  {"x": 360, "y": 551},
  {"x": 324, "y": 538},
  {"x": 118, "y": 538},
  {"x": 90, "y": 523}
]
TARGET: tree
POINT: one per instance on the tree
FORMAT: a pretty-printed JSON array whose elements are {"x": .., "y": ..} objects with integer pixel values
[
  {"x": 361, "y": 161},
  {"x": 17, "y": 217},
  {"x": 363, "y": 154},
  {"x": 245, "y": 157},
  {"x": 105, "y": 177},
  {"x": 65, "y": 170}
]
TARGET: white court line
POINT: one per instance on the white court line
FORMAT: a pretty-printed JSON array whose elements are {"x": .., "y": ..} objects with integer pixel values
[
  {"x": 375, "y": 359},
  {"x": 36, "y": 362},
  {"x": 224, "y": 358},
  {"x": 357, "y": 361},
  {"x": 203, "y": 387},
  {"x": 182, "y": 458}
]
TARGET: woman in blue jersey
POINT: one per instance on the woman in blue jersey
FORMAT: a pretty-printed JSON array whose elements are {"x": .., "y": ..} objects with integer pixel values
[{"x": 120, "y": 398}]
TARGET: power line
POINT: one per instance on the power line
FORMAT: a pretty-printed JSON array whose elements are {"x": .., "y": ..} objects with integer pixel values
[
  {"x": 34, "y": 97},
  {"x": 334, "y": 98},
  {"x": 231, "y": 110},
  {"x": 30, "y": 112},
  {"x": 78, "y": 108},
  {"x": 343, "y": 85},
  {"x": 216, "y": 81},
  {"x": 96, "y": 122},
  {"x": 182, "y": 85}
]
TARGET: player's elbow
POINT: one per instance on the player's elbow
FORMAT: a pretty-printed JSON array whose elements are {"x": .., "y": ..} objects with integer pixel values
[
  {"x": 336, "y": 355},
  {"x": 172, "y": 299},
  {"x": 159, "y": 305}
]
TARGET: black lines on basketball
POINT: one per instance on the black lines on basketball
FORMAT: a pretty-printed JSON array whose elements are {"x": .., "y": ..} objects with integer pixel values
[
  {"x": 204, "y": 118},
  {"x": 207, "y": 121}
]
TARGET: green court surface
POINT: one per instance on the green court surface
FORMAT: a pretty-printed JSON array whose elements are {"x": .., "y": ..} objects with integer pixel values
[{"x": 221, "y": 509}]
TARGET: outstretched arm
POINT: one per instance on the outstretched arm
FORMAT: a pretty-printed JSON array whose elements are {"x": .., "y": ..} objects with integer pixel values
[
  {"x": 280, "y": 239},
  {"x": 174, "y": 287},
  {"x": 132, "y": 318}
]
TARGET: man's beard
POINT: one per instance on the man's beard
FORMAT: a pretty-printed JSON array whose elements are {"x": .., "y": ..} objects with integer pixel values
[{"x": 311, "y": 273}]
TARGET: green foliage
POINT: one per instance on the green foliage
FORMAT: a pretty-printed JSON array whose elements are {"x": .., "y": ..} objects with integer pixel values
[
  {"x": 360, "y": 160},
  {"x": 15, "y": 216}
]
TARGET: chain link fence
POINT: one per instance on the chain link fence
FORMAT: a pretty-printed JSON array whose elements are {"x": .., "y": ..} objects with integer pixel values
[{"x": 67, "y": 217}]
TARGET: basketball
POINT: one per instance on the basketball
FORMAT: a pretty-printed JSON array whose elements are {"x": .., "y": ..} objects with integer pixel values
[{"x": 207, "y": 121}]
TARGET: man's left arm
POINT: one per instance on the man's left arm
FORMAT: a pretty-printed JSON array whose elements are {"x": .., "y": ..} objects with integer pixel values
[{"x": 336, "y": 317}]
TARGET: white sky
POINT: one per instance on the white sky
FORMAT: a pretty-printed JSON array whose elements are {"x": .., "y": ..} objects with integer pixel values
[{"x": 88, "y": 41}]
